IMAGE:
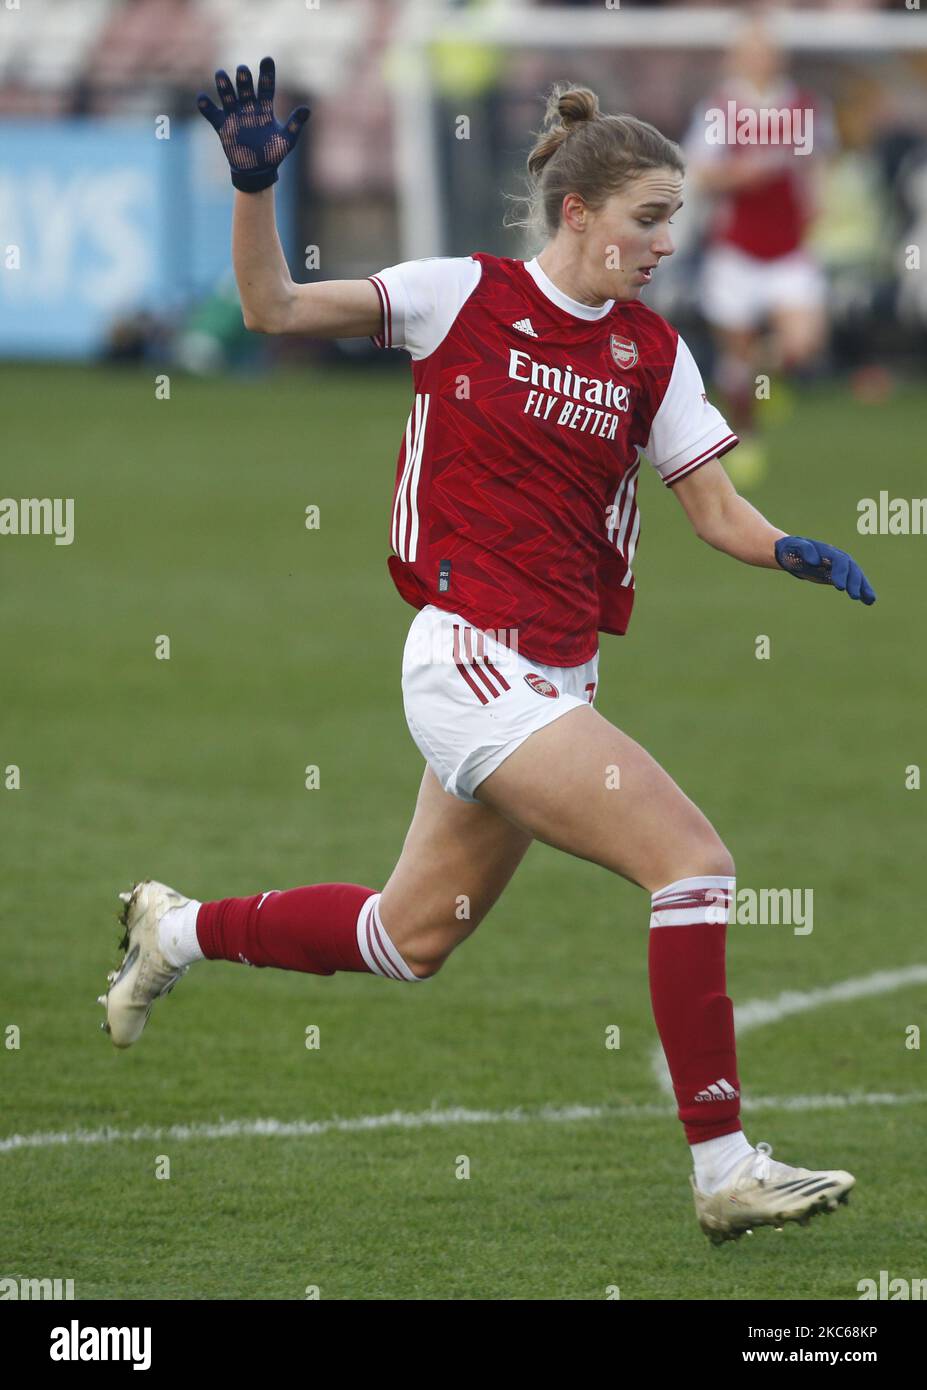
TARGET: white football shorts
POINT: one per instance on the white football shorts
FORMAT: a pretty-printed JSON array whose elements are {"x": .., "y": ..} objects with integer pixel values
[
  {"x": 739, "y": 291},
  {"x": 471, "y": 698}
]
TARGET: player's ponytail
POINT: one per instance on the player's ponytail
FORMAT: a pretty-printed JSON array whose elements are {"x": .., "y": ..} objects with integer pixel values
[
  {"x": 580, "y": 150},
  {"x": 567, "y": 107}
]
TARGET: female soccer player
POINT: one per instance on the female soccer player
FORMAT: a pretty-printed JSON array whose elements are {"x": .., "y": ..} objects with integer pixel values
[{"x": 538, "y": 386}]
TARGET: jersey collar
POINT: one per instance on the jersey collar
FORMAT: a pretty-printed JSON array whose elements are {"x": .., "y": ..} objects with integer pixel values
[{"x": 563, "y": 301}]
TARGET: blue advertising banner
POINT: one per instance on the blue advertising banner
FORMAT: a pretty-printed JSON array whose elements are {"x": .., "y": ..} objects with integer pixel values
[{"x": 100, "y": 218}]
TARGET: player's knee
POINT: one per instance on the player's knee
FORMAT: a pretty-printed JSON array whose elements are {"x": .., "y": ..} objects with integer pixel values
[
  {"x": 706, "y": 857},
  {"x": 723, "y": 860},
  {"x": 423, "y": 970},
  {"x": 428, "y": 947},
  {"x": 428, "y": 952},
  {"x": 715, "y": 860}
]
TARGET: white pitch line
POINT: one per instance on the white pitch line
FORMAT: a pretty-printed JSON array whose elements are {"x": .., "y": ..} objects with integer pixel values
[
  {"x": 424, "y": 1119},
  {"x": 758, "y": 1012},
  {"x": 754, "y": 1014}
]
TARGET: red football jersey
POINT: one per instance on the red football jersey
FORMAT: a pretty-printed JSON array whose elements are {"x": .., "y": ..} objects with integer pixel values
[{"x": 515, "y": 497}]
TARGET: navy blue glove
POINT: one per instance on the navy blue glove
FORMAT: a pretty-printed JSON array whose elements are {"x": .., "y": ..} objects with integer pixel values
[
  {"x": 823, "y": 564},
  {"x": 254, "y": 142}
]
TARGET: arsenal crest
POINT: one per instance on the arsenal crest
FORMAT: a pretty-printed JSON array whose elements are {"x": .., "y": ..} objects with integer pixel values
[
  {"x": 542, "y": 685},
  {"x": 623, "y": 351}
]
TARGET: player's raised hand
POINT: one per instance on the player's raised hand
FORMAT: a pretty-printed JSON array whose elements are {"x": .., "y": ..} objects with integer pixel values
[
  {"x": 255, "y": 143},
  {"x": 823, "y": 564}
]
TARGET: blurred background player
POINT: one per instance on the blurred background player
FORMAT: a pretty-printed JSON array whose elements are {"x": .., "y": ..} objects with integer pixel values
[{"x": 758, "y": 272}]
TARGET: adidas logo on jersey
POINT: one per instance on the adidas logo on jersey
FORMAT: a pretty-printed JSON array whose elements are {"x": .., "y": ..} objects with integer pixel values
[
  {"x": 718, "y": 1090},
  {"x": 524, "y": 326}
]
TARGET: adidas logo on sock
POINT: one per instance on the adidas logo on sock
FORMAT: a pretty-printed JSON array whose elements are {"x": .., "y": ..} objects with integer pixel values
[
  {"x": 524, "y": 326},
  {"x": 718, "y": 1090}
]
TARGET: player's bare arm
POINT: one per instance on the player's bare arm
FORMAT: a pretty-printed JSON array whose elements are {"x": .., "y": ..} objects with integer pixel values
[
  {"x": 724, "y": 519},
  {"x": 272, "y": 302},
  {"x": 727, "y": 521}
]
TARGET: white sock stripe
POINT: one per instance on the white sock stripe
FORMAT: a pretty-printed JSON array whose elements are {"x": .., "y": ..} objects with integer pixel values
[
  {"x": 680, "y": 904},
  {"x": 386, "y": 946},
  {"x": 376, "y": 947},
  {"x": 362, "y": 939},
  {"x": 705, "y": 881},
  {"x": 687, "y": 918},
  {"x": 714, "y": 913},
  {"x": 690, "y": 894},
  {"x": 377, "y": 954}
]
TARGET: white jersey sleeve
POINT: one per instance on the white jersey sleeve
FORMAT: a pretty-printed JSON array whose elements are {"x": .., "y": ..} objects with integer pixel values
[
  {"x": 686, "y": 430},
  {"x": 421, "y": 299}
]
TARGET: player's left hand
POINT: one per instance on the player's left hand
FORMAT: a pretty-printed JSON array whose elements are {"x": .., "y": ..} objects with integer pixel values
[{"x": 823, "y": 564}]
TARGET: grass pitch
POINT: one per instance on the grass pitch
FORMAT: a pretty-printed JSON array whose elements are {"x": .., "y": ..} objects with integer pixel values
[{"x": 285, "y": 648}]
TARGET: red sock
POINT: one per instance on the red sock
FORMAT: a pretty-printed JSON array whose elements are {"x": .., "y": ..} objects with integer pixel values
[
  {"x": 310, "y": 929},
  {"x": 694, "y": 1016}
]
